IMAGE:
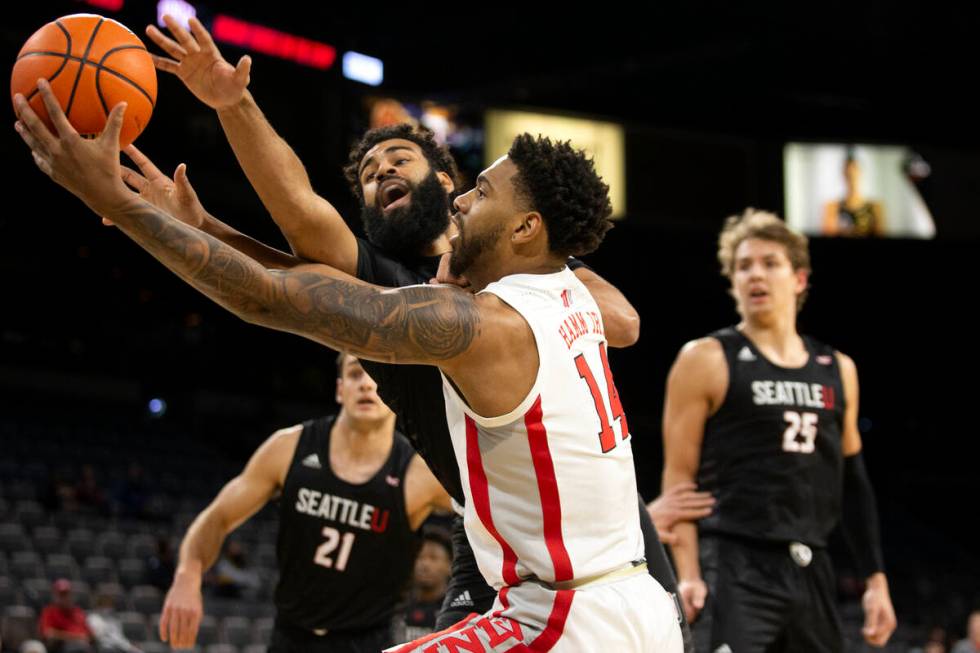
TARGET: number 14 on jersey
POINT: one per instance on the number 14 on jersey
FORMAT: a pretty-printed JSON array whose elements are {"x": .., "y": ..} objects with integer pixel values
[{"x": 607, "y": 437}]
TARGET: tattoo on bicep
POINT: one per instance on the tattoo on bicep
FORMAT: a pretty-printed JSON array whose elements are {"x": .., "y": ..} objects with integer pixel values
[{"x": 416, "y": 323}]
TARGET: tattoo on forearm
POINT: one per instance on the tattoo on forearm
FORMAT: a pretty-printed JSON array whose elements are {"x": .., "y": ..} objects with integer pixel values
[{"x": 411, "y": 324}]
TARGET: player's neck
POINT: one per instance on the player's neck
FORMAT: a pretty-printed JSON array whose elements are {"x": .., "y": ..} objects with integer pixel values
[
  {"x": 361, "y": 440},
  {"x": 853, "y": 198},
  {"x": 431, "y": 594},
  {"x": 496, "y": 270},
  {"x": 776, "y": 337}
]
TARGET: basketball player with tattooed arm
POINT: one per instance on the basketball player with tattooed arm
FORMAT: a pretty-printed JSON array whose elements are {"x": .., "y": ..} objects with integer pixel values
[
  {"x": 404, "y": 182},
  {"x": 765, "y": 419},
  {"x": 352, "y": 495},
  {"x": 537, "y": 428}
]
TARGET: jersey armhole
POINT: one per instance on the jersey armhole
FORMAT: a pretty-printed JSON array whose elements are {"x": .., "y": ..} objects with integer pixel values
[
  {"x": 524, "y": 405},
  {"x": 728, "y": 373}
]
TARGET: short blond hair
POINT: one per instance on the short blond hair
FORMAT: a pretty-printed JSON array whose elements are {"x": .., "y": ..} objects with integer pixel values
[{"x": 762, "y": 225}]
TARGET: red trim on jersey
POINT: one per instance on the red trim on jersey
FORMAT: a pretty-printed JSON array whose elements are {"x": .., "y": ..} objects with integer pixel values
[
  {"x": 555, "y": 627},
  {"x": 556, "y": 622},
  {"x": 459, "y": 625},
  {"x": 480, "y": 491},
  {"x": 504, "y": 603},
  {"x": 544, "y": 471},
  {"x": 828, "y": 397}
]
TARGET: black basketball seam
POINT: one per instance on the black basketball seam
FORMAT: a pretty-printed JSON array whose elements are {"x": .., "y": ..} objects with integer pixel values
[
  {"x": 70, "y": 57},
  {"x": 81, "y": 66},
  {"x": 100, "y": 67},
  {"x": 95, "y": 64},
  {"x": 64, "y": 62}
]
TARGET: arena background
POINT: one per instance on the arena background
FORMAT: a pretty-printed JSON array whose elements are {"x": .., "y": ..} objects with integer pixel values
[{"x": 92, "y": 328}]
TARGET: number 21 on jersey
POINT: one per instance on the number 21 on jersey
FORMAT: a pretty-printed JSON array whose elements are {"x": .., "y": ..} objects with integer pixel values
[
  {"x": 323, "y": 555},
  {"x": 607, "y": 437}
]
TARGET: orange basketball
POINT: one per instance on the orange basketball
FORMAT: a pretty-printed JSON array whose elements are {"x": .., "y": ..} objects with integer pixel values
[{"x": 93, "y": 63}]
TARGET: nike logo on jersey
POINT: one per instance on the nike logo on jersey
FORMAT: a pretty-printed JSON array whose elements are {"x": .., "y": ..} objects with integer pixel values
[
  {"x": 393, "y": 481},
  {"x": 792, "y": 393},
  {"x": 312, "y": 461},
  {"x": 462, "y": 601},
  {"x": 746, "y": 354},
  {"x": 825, "y": 360},
  {"x": 341, "y": 510}
]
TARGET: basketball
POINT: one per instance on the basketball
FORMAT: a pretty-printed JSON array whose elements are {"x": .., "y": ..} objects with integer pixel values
[{"x": 93, "y": 63}]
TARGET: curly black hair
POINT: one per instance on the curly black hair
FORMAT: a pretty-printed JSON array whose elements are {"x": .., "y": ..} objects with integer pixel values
[
  {"x": 561, "y": 183},
  {"x": 437, "y": 155}
]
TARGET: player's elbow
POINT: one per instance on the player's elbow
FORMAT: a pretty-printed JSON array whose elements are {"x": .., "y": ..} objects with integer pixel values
[
  {"x": 258, "y": 314},
  {"x": 625, "y": 329}
]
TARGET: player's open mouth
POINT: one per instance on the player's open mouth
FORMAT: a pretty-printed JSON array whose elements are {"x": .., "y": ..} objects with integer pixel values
[
  {"x": 758, "y": 294},
  {"x": 365, "y": 402},
  {"x": 394, "y": 193}
]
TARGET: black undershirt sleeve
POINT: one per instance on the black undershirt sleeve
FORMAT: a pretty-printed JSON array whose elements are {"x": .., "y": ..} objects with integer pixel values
[{"x": 860, "y": 518}]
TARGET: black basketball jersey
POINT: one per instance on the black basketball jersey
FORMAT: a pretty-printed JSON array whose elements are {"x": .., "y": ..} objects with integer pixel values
[
  {"x": 413, "y": 392},
  {"x": 771, "y": 455},
  {"x": 345, "y": 551}
]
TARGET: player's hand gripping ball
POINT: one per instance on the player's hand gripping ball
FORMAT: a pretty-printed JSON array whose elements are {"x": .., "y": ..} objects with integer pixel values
[{"x": 93, "y": 64}]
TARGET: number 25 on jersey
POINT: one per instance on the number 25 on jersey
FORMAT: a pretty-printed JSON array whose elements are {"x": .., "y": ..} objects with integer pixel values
[{"x": 797, "y": 425}]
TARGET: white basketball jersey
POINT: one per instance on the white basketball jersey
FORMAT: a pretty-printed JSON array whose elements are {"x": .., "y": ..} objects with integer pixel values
[{"x": 550, "y": 487}]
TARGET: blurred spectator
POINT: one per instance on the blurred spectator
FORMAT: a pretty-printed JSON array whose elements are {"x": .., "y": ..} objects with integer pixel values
[
  {"x": 132, "y": 493},
  {"x": 88, "y": 495},
  {"x": 388, "y": 111},
  {"x": 62, "y": 624},
  {"x": 936, "y": 642},
  {"x": 59, "y": 493},
  {"x": 160, "y": 566},
  {"x": 971, "y": 644},
  {"x": 106, "y": 627},
  {"x": 232, "y": 575},
  {"x": 432, "y": 568}
]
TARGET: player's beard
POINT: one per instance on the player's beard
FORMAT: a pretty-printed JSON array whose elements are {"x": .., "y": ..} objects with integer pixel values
[
  {"x": 407, "y": 230},
  {"x": 469, "y": 247}
]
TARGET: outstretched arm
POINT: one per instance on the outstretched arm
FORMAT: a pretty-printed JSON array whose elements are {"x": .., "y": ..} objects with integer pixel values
[
  {"x": 418, "y": 324},
  {"x": 313, "y": 227},
  {"x": 178, "y": 198}
]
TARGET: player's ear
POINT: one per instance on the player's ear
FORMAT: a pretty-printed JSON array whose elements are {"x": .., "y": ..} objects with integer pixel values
[
  {"x": 337, "y": 395},
  {"x": 529, "y": 227},
  {"x": 446, "y": 182},
  {"x": 802, "y": 280}
]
